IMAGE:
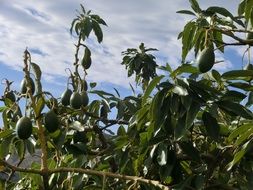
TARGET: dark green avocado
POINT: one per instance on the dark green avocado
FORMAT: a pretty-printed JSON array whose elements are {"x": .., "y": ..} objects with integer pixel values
[{"x": 24, "y": 128}]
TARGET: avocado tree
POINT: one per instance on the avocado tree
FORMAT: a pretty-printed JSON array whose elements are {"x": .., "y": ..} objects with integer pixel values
[{"x": 190, "y": 128}]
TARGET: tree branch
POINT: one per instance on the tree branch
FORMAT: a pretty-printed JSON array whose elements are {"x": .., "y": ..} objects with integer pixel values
[
  {"x": 229, "y": 32},
  {"x": 88, "y": 172}
]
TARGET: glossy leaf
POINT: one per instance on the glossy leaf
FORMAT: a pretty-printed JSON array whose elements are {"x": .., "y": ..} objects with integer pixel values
[
  {"x": 162, "y": 153},
  {"x": 37, "y": 71},
  {"x": 250, "y": 99},
  {"x": 235, "y": 108},
  {"x": 238, "y": 156},
  {"x": 186, "y": 12},
  {"x": 211, "y": 124},
  {"x": 98, "y": 31},
  {"x": 237, "y": 74},
  {"x": 195, "y": 6},
  {"x": 190, "y": 150},
  {"x": 184, "y": 68},
  {"x": 220, "y": 10},
  {"x": 150, "y": 88}
]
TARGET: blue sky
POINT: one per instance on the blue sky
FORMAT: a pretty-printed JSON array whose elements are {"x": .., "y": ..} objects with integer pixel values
[{"x": 43, "y": 27}]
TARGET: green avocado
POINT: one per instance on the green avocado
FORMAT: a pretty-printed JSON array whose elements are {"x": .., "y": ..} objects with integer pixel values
[
  {"x": 205, "y": 59},
  {"x": 76, "y": 100},
  {"x": 85, "y": 85},
  {"x": 24, "y": 84},
  {"x": 85, "y": 99},
  {"x": 65, "y": 97},
  {"x": 86, "y": 63},
  {"x": 51, "y": 121},
  {"x": 24, "y": 128}
]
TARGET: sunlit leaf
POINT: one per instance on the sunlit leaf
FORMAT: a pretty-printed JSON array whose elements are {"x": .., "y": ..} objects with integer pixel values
[
  {"x": 162, "y": 152},
  {"x": 238, "y": 156},
  {"x": 150, "y": 88}
]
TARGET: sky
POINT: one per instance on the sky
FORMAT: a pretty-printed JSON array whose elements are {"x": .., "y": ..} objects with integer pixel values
[{"x": 43, "y": 28}]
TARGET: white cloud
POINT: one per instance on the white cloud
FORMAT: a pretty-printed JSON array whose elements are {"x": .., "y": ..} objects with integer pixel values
[{"x": 44, "y": 25}]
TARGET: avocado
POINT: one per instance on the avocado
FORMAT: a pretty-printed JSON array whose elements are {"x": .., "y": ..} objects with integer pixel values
[
  {"x": 85, "y": 85},
  {"x": 51, "y": 121},
  {"x": 65, "y": 97},
  {"x": 24, "y": 128},
  {"x": 85, "y": 99},
  {"x": 76, "y": 100},
  {"x": 205, "y": 59},
  {"x": 24, "y": 84}
]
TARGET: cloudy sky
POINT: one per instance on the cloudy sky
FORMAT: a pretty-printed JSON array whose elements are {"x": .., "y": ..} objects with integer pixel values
[{"x": 43, "y": 27}]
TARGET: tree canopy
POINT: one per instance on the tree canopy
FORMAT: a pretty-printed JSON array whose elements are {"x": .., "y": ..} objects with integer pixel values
[{"x": 190, "y": 128}]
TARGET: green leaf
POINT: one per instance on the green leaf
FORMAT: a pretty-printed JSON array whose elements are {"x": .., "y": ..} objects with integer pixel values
[
  {"x": 40, "y": 104},
  {"x": 85, "y": 27},
  {"x": 192, "y": 113},
  {"x": 220, "y": 10},
  {"x": 241, "y": 7},
  {"x": 167, "y": 68},
  {"x": 187, "y": 38},
  {"x": 211, "y": 124},
  {"x": 180, "y": 90},
  {"x": 243, "y": 137},
  {"x": 190, "y": 150},
  {"x": 121, "y": 131},
  {"x": 250, "y": 99},
  {"x": 238, "y": 156},
  {"x": 180, "y": 129},
  {"x": 98, "y": 19},
  {"x": 218, "y": 40},
  {"x": 20, "y": 147},
  {"x": 233, "y": 96},
  {"x": 117, "y": 92},
  {"x": 150, "y": 88},
  {"x": 2, "y": 109},
  {"x": 235, "y": 108},
  {"x": 5, "y": 146},
  {"x": 98, "y": 31},
  {"x": 184, "y": 68},
  {"x": 186, "y": 12},
  {"x": 6, "y": 133},
  {"x": 30, "y": 147},
  {"x": 237, "y": 74},
  {"x": 195, "y": 6},
  {"x": 242, "y": 85},
  {"x": 216, "y": 75},
  {"x": 101, "y": 93},
  {"x": 36, "y": 70},
  {"x": 162, "y": 153},
  {"x": 248, "y": 9}
]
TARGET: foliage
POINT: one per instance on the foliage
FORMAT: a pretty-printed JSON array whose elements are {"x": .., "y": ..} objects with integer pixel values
[{"x": 188, "y": 130}]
